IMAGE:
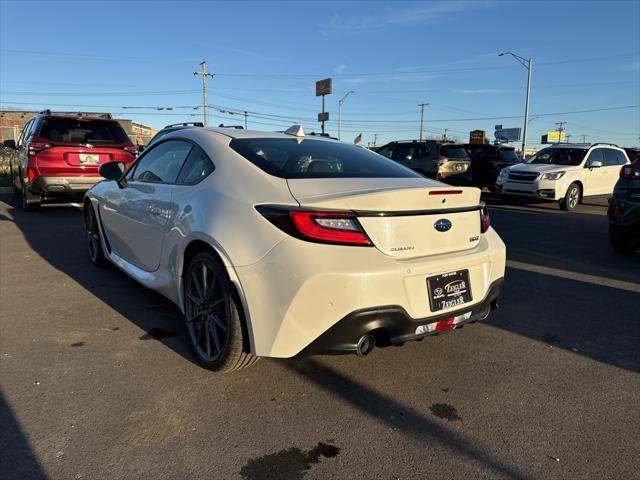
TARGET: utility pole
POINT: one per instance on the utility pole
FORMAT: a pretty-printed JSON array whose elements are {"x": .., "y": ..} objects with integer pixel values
[
  {"x": 444, "y": 137},
  {"x": 245, "y": 119},
  {"x": 528, "y": 64},
  {"x": 421, "y": 105},
  {"x": 584, "y": 138},
  {"x": 375, "y": 139},
  {"x": 204, "y": 76},
  {"x": 560, "y": 129},
  {"x": 340, "y": 102}
]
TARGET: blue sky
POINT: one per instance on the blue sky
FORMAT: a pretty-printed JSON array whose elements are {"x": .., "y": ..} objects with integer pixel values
[{"x": 84, "y": 55}]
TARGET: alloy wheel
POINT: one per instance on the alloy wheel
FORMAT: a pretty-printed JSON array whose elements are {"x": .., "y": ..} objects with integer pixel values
[
  {"x": 207, "y": 312},
  {"x": 574, "y": 197},
  {"x": 93, "y": 236}
]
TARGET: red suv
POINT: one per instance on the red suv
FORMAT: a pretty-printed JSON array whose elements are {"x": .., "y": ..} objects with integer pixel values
[{"x": 60, "y": 154}]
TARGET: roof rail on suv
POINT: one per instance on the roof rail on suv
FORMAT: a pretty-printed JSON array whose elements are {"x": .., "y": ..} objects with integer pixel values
[
  {"x": 79, "y": 114},
  {"x": 605, "y": 143},
  {"x": 185, "y": 124}
]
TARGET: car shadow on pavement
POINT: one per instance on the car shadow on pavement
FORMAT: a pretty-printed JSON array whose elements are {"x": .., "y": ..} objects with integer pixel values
[
  {"x": 410, "y": 423},
  {"x": 595, "y": 321},
  {"x": 56, "y": 234},
  {"x": 17, "y": 459}
]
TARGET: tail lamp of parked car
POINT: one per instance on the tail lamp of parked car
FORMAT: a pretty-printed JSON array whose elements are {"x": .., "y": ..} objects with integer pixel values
[
  {"x": 630, "y": 172},
  {"x": 336, "y": 228},
  {"x": 485, "y": 220}
]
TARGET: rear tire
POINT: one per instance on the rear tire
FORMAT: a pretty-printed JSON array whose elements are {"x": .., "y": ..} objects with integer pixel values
[
  {"x": 94, "y": 241},
  {"x": 572, "y": 198},
  {"x": 30, "y": 202},
  {"x": 213, "y": 314},
  {"x": 621, "y": 239}
]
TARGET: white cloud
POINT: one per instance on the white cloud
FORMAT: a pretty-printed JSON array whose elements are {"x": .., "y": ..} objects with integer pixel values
[
  {"x": 432, "y": 12},
  {"x": 340, "y": 68}
]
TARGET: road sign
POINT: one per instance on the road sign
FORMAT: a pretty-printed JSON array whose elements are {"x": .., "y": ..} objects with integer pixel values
[
  {"x": 508, "y": 134},
  {"x": 323, "y": 117},
  {"x": 323, "y": 87}
]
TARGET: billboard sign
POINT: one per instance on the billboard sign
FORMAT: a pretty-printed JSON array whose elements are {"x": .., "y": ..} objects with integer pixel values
[
  {"x": 477, "y": 136},
  {"x": 553, "y": 137},
  {"x": 323, "y": 87},
  {"x": 323, "y": 117},
  {"x": 508, "y": 134}
]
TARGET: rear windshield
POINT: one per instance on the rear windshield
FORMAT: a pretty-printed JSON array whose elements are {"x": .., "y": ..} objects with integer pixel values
[
  {"x": 559, "y": 156},
  {"x": 289, "y": 158},
  {"x": 456, "y": 151},
  {"x": 82, "y": 131},
  {"x": 508, "y": 155}
]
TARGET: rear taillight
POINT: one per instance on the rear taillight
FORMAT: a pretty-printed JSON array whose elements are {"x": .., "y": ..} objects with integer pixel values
[
  {"x": 485, "y": 220},
  {"x": 337, "y": 228},
  {"x": 630, "y": 172},
  {"x": 439, "y": 160},
  {"x": 31, "y": 174},
  {"x": 36, "y": 147}
]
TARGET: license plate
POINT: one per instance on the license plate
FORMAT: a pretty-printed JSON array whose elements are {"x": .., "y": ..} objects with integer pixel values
[
  {"x": 89, "y": 158},
  {"x": 449, "y": 290}
]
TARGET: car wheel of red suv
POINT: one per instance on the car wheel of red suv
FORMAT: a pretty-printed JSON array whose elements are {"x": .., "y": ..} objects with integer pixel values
[{"x": 30, "y": 202}]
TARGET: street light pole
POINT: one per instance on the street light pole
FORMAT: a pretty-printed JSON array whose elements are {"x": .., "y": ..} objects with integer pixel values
[
  {"x": 340, "y": 102},
  {"x": 528, "y": 64},
  {"x": 421, "y": 105}
]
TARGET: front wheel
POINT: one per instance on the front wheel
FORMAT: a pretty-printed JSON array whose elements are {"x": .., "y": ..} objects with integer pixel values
[
  {"x": 571, "y": 198},
  {"x": 621, "y": 239},
  {"x": 213, "y": 314},
  {"x": 94, "y": 243}
]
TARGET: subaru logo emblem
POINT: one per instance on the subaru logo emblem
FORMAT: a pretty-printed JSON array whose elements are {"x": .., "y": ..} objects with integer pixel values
[{"x": 442, "y": 225}]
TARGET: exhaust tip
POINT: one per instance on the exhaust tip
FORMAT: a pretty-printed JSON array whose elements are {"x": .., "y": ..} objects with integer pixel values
[{"x": 365, "y": 345}]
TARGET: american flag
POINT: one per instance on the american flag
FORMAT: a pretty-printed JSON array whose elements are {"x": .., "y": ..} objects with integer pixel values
[{"x": 358, "y": 139}]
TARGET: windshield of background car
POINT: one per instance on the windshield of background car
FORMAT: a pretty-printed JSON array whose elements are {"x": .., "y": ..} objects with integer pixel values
[
  {"x": 82, "y": 131},
  {"x": 508, "y": 155},
  {"x": 559, "y": 156},
  {"x": 454, "y": 152},
  {"x": 291, "y": 158}
]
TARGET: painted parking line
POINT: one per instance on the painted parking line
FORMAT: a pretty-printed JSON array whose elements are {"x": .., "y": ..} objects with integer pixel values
[{"x": 581, "y": 277}]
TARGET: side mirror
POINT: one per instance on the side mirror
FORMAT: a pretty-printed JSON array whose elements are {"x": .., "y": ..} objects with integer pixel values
[
  {"x": 112, "y": 170},
  {"x": 595, "y": 164},
  {"x": 10, "y": 144}
]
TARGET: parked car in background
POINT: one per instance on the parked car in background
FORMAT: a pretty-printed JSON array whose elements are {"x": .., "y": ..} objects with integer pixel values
[
  {"x": 59, "y": 155},
  {"x": 171, "y": 128},
  {"x": 279, "y": 244},
  {"x": 565, "y": 173},
  {"x": 624, "y": 210},
  {"x": 487, "y": 161},
  {"x": 447, "y": 162}
]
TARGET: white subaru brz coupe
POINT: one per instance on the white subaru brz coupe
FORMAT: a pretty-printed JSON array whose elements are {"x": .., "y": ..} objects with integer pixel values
[{"x": 280, "y": 244}]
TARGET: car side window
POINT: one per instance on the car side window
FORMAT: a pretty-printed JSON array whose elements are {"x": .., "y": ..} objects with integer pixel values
[
  {"x": 161, "y": 163},
  {"x": 25, "y": 132},
  {"x": 595, "y": 156},
  {"x": 197, "y": 167},
  {"x": 610, "y": 158},
  {"x": 622, "y": 159},
  {"x": 386, "y": 152}
]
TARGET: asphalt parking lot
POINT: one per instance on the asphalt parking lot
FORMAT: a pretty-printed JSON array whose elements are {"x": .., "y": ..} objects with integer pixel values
[{"x": 97, "y": 380}]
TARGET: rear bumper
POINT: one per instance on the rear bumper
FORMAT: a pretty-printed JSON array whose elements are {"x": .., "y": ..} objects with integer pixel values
[
  {"x": 62, "y": 185},
  {"x": 624, "y": 213},
  {"x": 300, "y": 290},
  {"x": 392, "y": 325}
]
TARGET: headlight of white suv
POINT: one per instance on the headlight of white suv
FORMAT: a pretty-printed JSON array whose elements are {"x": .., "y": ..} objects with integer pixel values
[{"x": 552, "y": 175}]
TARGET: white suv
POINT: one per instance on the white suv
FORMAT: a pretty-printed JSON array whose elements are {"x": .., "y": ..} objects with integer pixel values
[{"x": 565, "y": 173}]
